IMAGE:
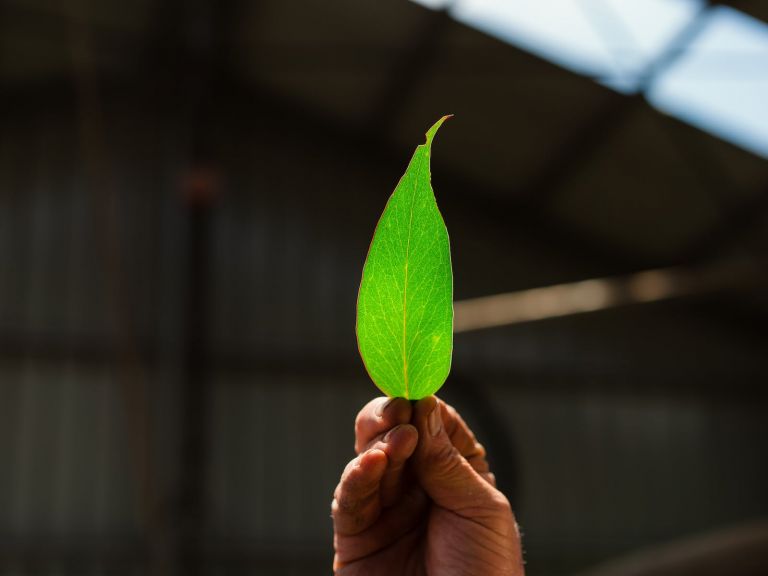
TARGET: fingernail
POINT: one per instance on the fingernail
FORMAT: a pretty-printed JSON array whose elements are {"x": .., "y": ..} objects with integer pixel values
[
  {"x": 388, "y": 435},
  {"x": 383, "y": 406},
  {"x": 435, "y": 420}
]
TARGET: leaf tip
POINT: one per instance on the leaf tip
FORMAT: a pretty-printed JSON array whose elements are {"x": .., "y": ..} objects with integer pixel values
[{"x": 432, "y": 131}]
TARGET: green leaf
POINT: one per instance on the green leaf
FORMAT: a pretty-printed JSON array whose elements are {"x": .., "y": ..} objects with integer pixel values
[{"x": 405, "y": 303}]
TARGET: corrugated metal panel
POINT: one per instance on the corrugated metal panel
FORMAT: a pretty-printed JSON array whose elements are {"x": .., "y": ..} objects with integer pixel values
[{"x": 613, "y": 415}]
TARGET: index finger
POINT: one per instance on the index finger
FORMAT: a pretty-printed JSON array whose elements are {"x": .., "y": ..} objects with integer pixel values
[
  {"x": 377, "y": 417},
  {"x": 356, "y": 500}
]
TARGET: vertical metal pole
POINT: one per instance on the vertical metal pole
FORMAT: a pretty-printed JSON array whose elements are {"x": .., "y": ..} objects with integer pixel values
[{"x": 198, "y": 189}]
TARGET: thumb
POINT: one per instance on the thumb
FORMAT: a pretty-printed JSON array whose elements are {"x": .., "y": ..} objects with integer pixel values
[{"x": 446, "y": 476}]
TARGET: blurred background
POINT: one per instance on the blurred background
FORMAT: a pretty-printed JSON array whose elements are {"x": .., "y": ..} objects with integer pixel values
[{"x": 187, "y": 192}]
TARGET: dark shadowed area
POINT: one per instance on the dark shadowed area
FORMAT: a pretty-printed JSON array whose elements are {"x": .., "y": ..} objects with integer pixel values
[{"x": 187, "y": 193}]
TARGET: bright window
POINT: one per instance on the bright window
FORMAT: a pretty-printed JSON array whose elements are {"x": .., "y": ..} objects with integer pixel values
[{"x": 719, "y": 82}]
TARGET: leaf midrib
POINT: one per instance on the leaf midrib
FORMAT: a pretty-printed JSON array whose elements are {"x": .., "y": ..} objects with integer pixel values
[{"x": 405, "y": 288}]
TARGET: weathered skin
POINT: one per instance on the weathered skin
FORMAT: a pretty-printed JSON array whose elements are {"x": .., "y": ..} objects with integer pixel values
[{"x": 419, "y": 499}]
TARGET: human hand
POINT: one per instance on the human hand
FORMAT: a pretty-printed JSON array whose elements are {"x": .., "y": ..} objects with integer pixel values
[{"x": 419, "y": 499}]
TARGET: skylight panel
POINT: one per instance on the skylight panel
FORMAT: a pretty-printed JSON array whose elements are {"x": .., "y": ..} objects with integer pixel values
[
  {"x": 613, "y": 41},
  {"x": 557, "y": 30},
  {"x": 720, "y": 83}
]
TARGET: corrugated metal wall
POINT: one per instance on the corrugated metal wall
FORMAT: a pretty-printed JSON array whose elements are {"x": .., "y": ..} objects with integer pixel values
[{"x": 612, "y": 430}]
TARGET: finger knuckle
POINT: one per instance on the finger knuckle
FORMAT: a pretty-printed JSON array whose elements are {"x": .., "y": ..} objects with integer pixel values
[
  {"x": 347, "y": 505},
  {"x": 500, "y": 502},
  {"x": 446, "y": 456},
  {"x": 359, "y": 422}
]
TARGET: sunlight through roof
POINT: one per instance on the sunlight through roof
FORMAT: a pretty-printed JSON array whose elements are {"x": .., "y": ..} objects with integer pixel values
[
  {"x": 612, "y": 41},
  {"x": 719, "y": 82}
]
